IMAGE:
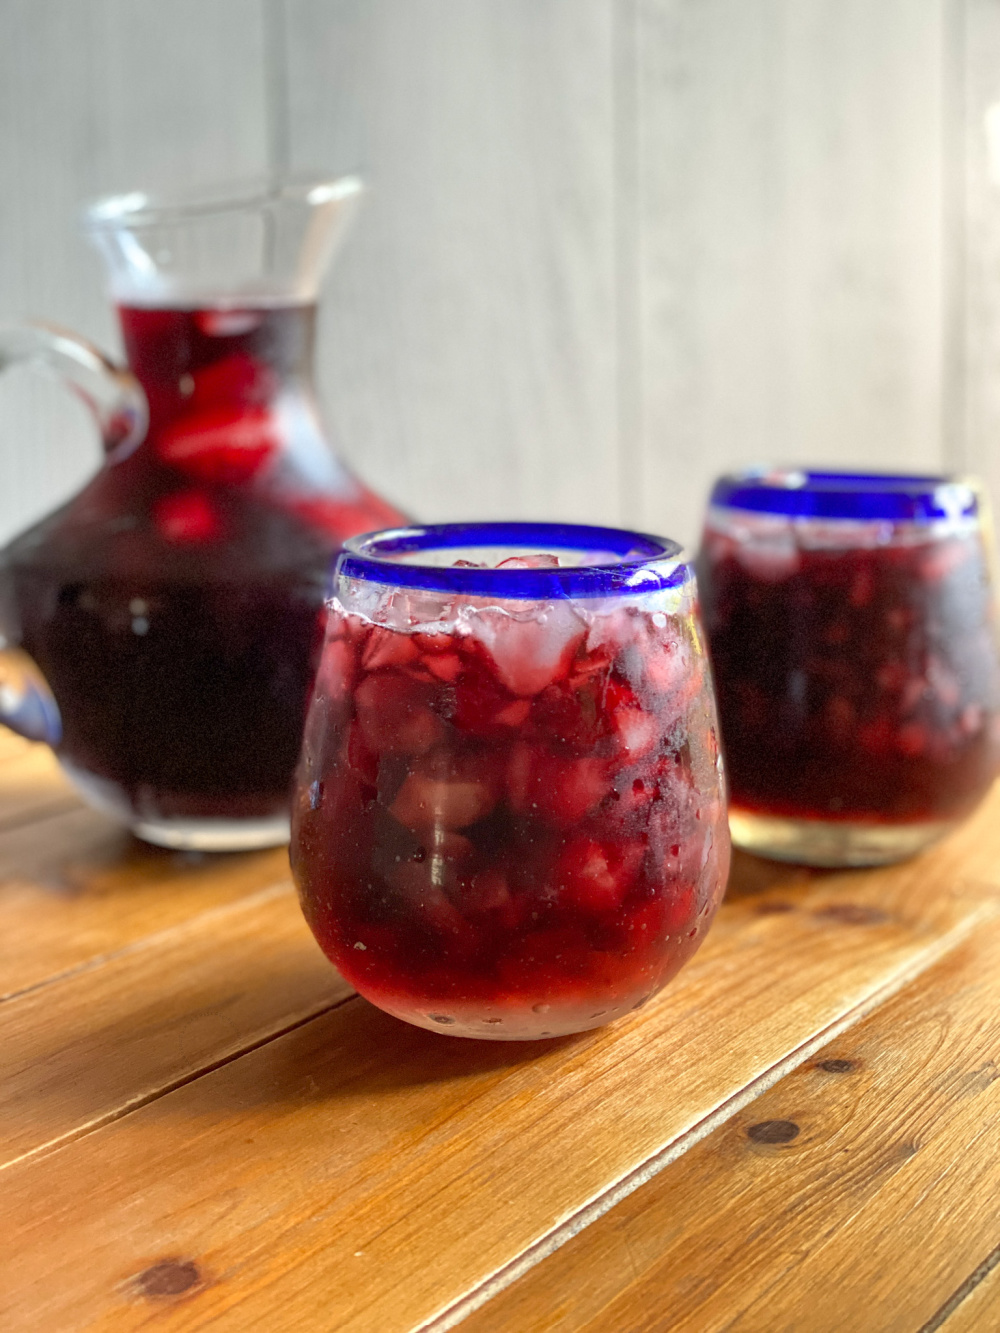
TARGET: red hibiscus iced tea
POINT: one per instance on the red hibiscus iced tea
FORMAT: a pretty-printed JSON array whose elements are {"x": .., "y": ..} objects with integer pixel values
[
  {"x": 854, "y": 651},
  {"x": 509, "y": 819}
]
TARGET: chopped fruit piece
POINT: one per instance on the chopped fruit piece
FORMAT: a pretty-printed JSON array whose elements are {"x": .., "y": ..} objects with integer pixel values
[
  {"x": 446, "y": 666},
  {"x": 530, "y": 562},
  {"x": 395, "y": 715},
  {"x": 561, "y": 789},
  {"x": 388, "y": 649},
  {"x": 595, "y": 878},
  {"x": 187, "y": 516},
  {"x": 638, "y": 732},
  {"x": 225, "y": 446}
]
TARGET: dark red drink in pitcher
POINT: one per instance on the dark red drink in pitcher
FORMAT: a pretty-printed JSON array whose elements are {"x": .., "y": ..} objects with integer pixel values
[{"x": 172, "y": 606}]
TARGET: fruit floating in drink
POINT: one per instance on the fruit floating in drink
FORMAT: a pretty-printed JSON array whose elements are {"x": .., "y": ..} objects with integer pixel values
[
  {"x": 510, "y": 819},
  {"x": 852, "y": 631}
]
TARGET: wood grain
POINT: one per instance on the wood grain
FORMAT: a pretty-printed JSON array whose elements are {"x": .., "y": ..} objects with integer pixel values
[
  {"x": 376, "y": 1173},
  {"x": 979, "y": 1311},
  {"x": 87, "y": 1048},
  {"x": 77, "y": 887},
  {"x": 854, "y": 1194}
]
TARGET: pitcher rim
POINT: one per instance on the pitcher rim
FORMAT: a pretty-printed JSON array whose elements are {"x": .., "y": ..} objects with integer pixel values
[{"x": 139, "y": 208}]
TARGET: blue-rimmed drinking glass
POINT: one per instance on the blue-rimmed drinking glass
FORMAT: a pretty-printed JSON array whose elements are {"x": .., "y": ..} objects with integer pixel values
[
  {"x": 509, "y": 820},
  {"x": 851, "y": 624}
]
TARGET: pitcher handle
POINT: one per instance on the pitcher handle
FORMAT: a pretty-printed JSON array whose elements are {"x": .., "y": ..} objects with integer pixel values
[
  {"x": 113, "y": 394},
  {"x": 119, "y": 407}
]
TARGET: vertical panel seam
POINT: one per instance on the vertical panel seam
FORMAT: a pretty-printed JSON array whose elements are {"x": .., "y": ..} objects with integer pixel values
[
  {"x": 956, "y": 445},
  {"x": 276, "y": 88}
]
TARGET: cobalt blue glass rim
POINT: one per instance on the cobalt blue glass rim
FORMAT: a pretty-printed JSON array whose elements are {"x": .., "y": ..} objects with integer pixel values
[
  {"x": 640, "y": 563},
  {"x": 864, "y": 496}
]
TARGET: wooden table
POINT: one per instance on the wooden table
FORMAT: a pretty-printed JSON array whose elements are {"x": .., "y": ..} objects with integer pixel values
[{"x": 202, "y": 1127}]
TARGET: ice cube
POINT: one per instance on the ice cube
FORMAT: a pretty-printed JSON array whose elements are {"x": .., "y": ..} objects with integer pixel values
[
  {"x": 531, "y": 652},
  {"x": 540, "y": 561}
]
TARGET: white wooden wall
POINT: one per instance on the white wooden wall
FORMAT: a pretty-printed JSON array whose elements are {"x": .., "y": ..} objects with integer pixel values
[{"x": 612, "y": 246}]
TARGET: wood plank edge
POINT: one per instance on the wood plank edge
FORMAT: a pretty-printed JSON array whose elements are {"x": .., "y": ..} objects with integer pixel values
[
  {"x": 157, "y": 938},
  {"x": 956, "y": 1299},
  {"x": 59, "y": 805},
  {"x": 137, "y": 1103},
  {"x": 571, "y": 1226}
]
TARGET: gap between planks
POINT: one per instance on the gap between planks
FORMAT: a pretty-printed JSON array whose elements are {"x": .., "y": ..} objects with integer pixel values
[
  {"x": 607, "y": 1199},
  {"x": 137, "y": 1103},
  {"x": 155, "y": 944}
]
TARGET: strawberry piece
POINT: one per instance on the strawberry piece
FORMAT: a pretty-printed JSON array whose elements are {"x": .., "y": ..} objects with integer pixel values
[
  {"x": 572, "y": 717},
  {"x": 529, "y": 562},
  {"x": 388, "y": 648},
  {"x": 594, "y": 877},
  {"x": 187, "y": 516},
  {"x": 445, "y": 666},
  {"x": 395, "y": 714},
  {"x": 481, "y": 704},
  {"x": 237, "y": 379},
  {"x": 360, "y": 756},
  {"x": 565, "y": 790},
  {"x": 226, "y": 446}
]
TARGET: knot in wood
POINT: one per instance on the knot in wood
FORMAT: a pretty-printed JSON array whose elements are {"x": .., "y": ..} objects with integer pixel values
[
  {"x": 170, "y": 1277},
  {"x": 837, "y": 1066},
  {"x": 773, "y": 1131}
]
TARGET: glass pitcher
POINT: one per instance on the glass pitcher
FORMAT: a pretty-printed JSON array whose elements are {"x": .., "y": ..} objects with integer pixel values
[{"x": 160, "y": 629}]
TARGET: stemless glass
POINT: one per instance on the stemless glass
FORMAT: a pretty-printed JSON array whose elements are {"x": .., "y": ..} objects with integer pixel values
[
  {"x": 509, "y": 820},
  {"x": 850, "y": 620}
]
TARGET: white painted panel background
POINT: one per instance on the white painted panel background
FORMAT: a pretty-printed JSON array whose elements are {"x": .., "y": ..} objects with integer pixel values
[{"x": 612, "y": 246}]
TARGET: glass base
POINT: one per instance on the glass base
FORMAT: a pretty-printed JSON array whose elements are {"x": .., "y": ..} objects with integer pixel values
[
  {"x": 831, "y": 843},
  {"x": 509, "y": 1022},
  {"x": 213, "y": 835},
  {"x": 181, "y": 832}
]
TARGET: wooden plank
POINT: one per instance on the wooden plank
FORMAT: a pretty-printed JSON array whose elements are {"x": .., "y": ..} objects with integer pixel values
[
  {"x": 789, "y": 237},
  {"x": 978, "y": 1310},
  {"x": 31, "y": 784},
  {"x": 86, "y": 1049},
  {"x": 77, "y": 887},
  {"x": 361, "y": 1174},
  {"x": 468, "y": 342},
  {"x": 854, "y": 1194}
]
